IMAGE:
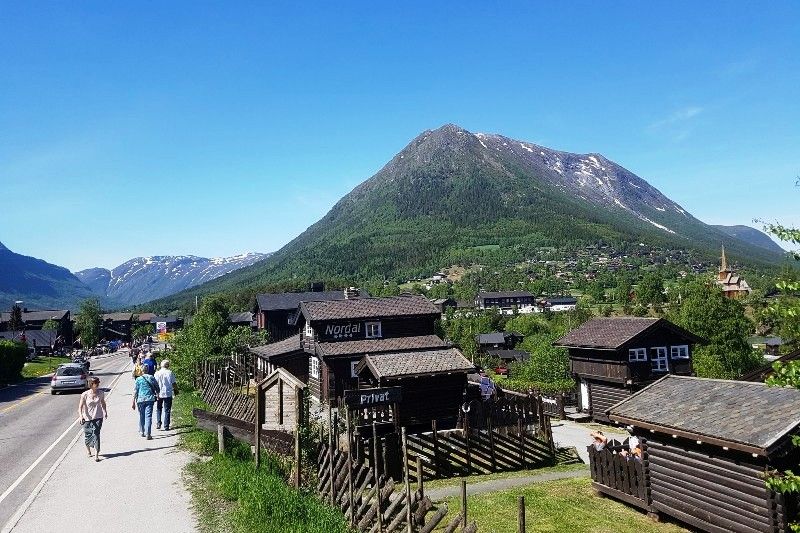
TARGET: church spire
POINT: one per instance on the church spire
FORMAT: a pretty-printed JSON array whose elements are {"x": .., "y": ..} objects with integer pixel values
[{"x": 724, "y": 267}]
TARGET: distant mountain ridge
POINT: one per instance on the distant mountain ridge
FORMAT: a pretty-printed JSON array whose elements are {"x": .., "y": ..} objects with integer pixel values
[
  {"x": 751, "y": 235},
  {"x": 450, "y": 192},
  {"x": 37, "y": 283},
  {"x": 146, "y": 278}
]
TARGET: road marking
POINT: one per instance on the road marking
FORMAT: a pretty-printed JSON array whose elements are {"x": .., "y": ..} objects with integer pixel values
[
  {"x": 22, "y": 476},
  {"x": 12, "y": 523}
]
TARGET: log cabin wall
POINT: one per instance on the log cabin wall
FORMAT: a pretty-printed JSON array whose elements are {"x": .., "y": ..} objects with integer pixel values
[
  {"x": 712, "y": 489},
  {"x": 280, "y": 407},
  {"x": 428, "y": 398},
  {"x": 604, "y": 395},
  {"x": 315, "y": 382}
]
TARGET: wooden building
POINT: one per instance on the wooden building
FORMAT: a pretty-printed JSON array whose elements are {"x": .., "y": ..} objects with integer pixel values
[
  {"x": 277, "y": 313},
  {"x": 731, "y": 283},
  {"x": 245, "y": 319},
  {"x": 556, "y": 304},
  {"x": 117, "y": 326},
  {"x": 707, "y": 445},
  {"x": 761, "y": 373},
  {"x": 287, "y": 354},
  {"x": 35, "y": 320},
  {"x": 498, "y": 340},
  {"x": 443, "y": 304},
  {"x": 432, "y": 381},
  {"x": 337, "y": 334},
  {"x": 507, "y": 302},
  {"x": 611, "y": 358},
  {"x": 283, "y": 401}
]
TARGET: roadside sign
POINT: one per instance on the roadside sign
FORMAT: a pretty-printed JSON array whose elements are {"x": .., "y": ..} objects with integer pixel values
[
  {"x": 161, "y": 327},
  {"x": 376, "y": 396}
]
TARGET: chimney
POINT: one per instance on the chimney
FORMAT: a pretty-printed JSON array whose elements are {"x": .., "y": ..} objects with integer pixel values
[
  {"x": 317, "y": 286},
  {"x": 350, "y": 293}
]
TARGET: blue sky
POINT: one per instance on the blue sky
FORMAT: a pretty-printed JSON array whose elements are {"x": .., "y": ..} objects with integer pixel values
[{"x": 212, "y": 128}]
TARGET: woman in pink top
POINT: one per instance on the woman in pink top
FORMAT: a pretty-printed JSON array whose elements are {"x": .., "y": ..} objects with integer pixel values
[{"x": 92, "y": 410}]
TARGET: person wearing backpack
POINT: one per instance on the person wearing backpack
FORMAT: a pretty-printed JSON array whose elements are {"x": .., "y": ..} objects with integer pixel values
[{"x": 145, "y": 394}]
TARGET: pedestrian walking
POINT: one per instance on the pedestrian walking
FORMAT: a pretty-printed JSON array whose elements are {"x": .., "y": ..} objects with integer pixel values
[
  {"x": 149, "y": 364},
  {"x": 92, "y": 410},
  {"x": 145, "y": 393},
  {"x": 167, "y": 388}
]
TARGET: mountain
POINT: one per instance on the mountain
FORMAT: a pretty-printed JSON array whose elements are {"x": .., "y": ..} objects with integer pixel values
[
  {"x": 752, "y": 236},
  {"x": 146, "y": 278},
  {"x": 39, "y": 284},
  {"x": 452, "y": 195}
]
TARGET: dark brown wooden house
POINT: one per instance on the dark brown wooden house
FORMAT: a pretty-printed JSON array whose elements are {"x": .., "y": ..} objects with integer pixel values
[
  {"x": 707, "y": 446},
  {"x": 287, "y": 354},
  {"x": 117, "y": 326},
  {"x": 432, "y": 382},
  {"x": 336, "y": 334},
  {"x": 611, "y": 358},
  {"x": 761, "y": 373},
  {"x": 277, "y": 313}
]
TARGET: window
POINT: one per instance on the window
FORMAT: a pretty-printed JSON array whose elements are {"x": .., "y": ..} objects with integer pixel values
[
  {"x": 658, "y": 359},
  {"x": 679, "y": 352},
  {"x": 353, "y": 365},
  {"x": 637, "y": 354},
  {"x": 373, "y": 330},
  {"x": 314, "y": 367},
  {"x": 308, "y": 331}
]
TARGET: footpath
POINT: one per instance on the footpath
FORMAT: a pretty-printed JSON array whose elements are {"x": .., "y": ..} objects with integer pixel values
[
  {"x": 495, "y": 485},
  {"x": 135, "y": 487}
]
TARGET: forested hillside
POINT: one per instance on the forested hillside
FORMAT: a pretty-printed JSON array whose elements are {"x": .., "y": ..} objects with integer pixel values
[{"x": 454, "y": 197}]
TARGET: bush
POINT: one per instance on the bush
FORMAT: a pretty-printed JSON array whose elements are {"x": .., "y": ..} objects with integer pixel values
[{"x": 12, "y": 359}]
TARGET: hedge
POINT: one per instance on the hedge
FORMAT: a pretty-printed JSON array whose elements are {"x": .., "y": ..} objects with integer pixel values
[{"x": 12, "y": 359}]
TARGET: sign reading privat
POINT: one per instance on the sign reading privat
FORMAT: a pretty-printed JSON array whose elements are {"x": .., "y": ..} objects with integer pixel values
[{"x": 369, "y": 397}]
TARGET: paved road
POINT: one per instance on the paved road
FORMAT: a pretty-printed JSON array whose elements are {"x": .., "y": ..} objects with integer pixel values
[{"x": 36, "y": 427}]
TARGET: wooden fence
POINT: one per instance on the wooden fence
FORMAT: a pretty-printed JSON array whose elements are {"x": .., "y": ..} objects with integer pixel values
[
  {"x": 226, "y": 390},
  {"x": 459, "y": 452},
  {"x": 371, "y": 501},
  {"x": 618, "y": 476}
]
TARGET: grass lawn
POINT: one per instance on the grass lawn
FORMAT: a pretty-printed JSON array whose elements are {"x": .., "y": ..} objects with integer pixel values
[
  {"x": 456, "y": 481},
  {"x": 42, "y": 365},
  {"x": 563, "y": 506},
  {"x": 230, "y": 495}
]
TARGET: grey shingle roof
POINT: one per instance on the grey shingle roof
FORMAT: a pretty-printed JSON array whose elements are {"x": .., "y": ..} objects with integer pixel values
[
  {"x": 286, "y": 346},
  {"x": 118, "y": 317},
  {"x": 291, "y": 300},
  {"x": 42, "y": 315},
  {"x": 237, "y": 318},
  {"x": 613, "y": 333},
  {"x": 505, "y": 294},
  {"x": 744, "y": 414},
  {"x": 497, "y": 337},
  {"x": 42, "y": 337},
  {"x": 399, "y": 364},
  {"x": 393, "y": 306},
  {"x": 395, "y": 344}
]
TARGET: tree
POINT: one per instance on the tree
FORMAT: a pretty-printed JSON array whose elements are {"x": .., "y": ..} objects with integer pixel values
[
  {"x": 787, "y": 312},
  {"x": 706, "y": 312},
  {"x": 623, "y": 290},
  {"x": 596, "y": 292},
  {"x": 15, "y": 322},
  {"x": 141, "y": 332},
  {"x": 88, "y": 322},
  {"x": 50, "y": 324},
  {"x": 650, "y": 289}
]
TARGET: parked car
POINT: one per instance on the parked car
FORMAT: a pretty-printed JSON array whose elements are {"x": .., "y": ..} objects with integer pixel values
[{"x": 69, "y": 376}]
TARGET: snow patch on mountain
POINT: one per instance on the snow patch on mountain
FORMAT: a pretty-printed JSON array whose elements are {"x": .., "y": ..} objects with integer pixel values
[{"x": 146, "y": 278}]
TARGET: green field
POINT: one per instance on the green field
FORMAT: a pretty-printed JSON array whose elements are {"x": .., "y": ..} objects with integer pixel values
[
  {"x": 42, "y": 365},
  {"x": 563, "y": 506}
]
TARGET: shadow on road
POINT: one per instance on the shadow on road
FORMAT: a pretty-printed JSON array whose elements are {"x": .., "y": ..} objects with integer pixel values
[{"x": 132, "y": 452}]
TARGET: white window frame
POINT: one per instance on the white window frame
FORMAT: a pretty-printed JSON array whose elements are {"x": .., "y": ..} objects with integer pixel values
[
  {"x": 637, "y": 354},
  {"x": 314, "y": 372},
  {"x": 657, "y": 362},
  {"x": 682, "y": 351},
  {"x": 370, "y": 335},
  {"x": 308, "y": 331},
  {"x": 353, "y": 365}
]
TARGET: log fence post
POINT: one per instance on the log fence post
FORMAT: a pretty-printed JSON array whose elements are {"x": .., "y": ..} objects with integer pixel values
[
  {"x": 378, "y": 511},
  {"x": 409, "y": 525},
  {"x": 463, "y": 502},
  {"x": 221, "y": 438},
  {"x": 350, "y": 468},
  {"x": 420, "y": 475},
  {"x": 521, "y": 516}
]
